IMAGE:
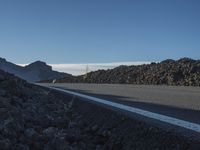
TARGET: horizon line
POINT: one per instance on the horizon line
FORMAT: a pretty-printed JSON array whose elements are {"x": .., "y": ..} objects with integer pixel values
[{"x": 80, "y": 68}]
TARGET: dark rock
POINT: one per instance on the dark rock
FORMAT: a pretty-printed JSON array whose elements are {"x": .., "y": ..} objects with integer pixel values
[
  {"x": 185, "y": 72},
  {"x": 30, "y": 132},
  {"x": 61, "y": 122},
  {"x": 57, "y": 144},
  {"x": 21, "y": 147},
  {"x": 94, "y": 128},
  {"x": 73, "y": 135},
  {"x": 49, "y": 132},
  {"x": 5, "y": 144},
  {"x": 2, "y": 92}
]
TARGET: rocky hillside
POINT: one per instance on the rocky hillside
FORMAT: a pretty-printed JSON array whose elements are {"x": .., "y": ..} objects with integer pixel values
[
  {"x": 26, "y": 112},
  {"x": 33, "y": 72},
  {"x": 184, "y": 71}
]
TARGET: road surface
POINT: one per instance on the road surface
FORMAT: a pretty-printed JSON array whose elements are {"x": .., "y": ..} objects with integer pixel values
[{"x": 178, "y": 102}]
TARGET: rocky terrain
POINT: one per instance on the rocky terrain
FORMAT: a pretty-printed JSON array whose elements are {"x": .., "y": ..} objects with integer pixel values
[
  {"x": 33, "y": 72},
  {"x": 183, "y": 72},
  {"x": 35, "y": 118}
]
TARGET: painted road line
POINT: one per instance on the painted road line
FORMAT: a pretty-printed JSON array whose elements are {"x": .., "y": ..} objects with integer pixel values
[{"x": 167, "y": 119}]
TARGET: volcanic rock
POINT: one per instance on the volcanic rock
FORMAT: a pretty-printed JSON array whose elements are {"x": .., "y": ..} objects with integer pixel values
[{"x": 183, "y": 72}]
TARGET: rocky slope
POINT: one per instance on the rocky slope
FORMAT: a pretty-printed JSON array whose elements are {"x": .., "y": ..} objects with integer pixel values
[
  {"x": 169, "y": 72},
  {"x": 35, "y": 118},
  {"x": 33, "y": 72}
]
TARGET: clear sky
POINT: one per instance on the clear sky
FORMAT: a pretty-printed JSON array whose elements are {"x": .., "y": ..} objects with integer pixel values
[{"x": 98, "y": 31}]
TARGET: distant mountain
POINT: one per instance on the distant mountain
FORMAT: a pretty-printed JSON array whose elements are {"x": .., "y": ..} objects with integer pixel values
[
  {"x": 184, "y": 71},
  {"x": 33, "y": 72}
]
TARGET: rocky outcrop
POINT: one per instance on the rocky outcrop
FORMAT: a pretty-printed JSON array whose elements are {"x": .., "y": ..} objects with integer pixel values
[
  {"x": 33, "y": 72},
  {"x": 184, "y": 72},
  {"x": 30, "y": 116}
]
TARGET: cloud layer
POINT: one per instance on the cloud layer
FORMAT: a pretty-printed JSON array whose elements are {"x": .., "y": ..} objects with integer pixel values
[{"x": 79, "y": 69}]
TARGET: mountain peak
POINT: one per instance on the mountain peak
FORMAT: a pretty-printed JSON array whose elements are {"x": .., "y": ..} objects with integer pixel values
[
  {"x": 33, "y": 72},
  {"x": 38, "y": 65}
]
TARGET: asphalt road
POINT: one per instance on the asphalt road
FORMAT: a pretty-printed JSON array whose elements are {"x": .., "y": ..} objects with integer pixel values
[{"x": 179, "y": 102}]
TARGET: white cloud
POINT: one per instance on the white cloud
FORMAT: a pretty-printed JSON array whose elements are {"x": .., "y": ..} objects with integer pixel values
[{"x": 79, "y": 69}]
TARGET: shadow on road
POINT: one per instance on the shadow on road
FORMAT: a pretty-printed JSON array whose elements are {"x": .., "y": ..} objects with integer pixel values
[{"x": 180, "y": 113}]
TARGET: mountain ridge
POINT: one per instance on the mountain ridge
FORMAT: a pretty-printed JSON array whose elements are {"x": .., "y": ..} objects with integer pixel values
[{"x": 33, "y": 72}]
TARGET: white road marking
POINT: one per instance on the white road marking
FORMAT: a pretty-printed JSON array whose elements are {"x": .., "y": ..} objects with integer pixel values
[{"x": 170, "y": 120}]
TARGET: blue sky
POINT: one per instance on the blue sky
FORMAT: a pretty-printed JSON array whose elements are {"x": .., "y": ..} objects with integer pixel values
[{"x": 99, "y": 31}]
